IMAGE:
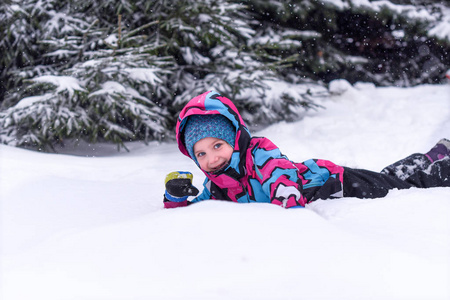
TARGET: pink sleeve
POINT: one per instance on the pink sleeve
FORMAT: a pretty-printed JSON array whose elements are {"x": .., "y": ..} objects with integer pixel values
[{"x": 170, "y": 204}]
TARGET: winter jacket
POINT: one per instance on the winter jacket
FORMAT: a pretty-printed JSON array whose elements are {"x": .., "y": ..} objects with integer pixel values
[{"x": 258, "y": 171}]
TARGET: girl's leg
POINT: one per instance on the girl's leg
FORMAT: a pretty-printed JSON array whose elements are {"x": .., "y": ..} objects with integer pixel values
[
  {"x": 367, "y": 184},
  {"x": 424, "y": 170},
  {"x": 436, "y": 175},
  {"x": 408, "y": 166},
  {"x": 361, "y": 183},
  {"x": 417, "y": 170}
]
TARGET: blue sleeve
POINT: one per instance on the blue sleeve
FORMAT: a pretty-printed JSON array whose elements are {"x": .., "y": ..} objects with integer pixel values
[
  {"x": 205, "y": 195},
  {"x": 277, "y": 175}
]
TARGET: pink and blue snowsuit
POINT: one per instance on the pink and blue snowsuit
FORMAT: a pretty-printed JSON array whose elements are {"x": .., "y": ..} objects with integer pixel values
[{"x": 258, "y": 171}]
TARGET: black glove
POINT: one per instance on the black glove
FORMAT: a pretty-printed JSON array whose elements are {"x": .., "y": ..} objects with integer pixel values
[{"x": 178, "y": 188}]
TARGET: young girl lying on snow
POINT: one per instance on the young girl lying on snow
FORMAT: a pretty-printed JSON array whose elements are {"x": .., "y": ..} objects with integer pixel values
[{"x": 245, "y": 169}]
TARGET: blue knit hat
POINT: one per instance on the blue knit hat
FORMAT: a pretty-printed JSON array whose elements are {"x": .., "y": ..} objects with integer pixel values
[{"x": 202, "y": 126}]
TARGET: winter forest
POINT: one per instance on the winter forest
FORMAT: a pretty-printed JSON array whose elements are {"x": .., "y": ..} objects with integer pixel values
[{"x": 119, "y": 71}]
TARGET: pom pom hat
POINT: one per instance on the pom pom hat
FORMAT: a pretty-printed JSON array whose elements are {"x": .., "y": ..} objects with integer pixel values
[{"x": 202, "y": 126}]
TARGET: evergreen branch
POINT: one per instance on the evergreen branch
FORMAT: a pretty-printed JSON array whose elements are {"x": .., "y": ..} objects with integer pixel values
[{"x": 133, "y": 32}]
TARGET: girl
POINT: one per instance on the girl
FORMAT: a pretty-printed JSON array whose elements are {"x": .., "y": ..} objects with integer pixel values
[{"x": 245, "y": 169}]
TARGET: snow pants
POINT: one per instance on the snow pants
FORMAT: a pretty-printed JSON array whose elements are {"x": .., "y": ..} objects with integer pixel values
[{"x": 414, "y": 171}]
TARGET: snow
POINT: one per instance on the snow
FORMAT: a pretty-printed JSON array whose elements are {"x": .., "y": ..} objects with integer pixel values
[
  {"x": 112, "y": 40},
  {"x": 439, "y": 22},
  {"x": 110, "y": 87},
  {"x": 194, "y": 58},
  {"x": 88, "y": 223},
  {"x": 302, "y": 33},
  {"x": 146, "y": 75},
  {"x": 62, "y": 83},
  {"x": 32, "y": 100},
  {"x": 442, "y": 30}
]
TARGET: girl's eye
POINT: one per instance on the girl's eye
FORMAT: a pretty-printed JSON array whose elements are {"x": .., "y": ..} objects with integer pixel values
[
  {"x": 217, "y": 146},
  {"x": 200, "y": 154}
]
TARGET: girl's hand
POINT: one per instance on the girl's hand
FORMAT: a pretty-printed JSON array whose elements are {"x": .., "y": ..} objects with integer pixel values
[{"x": 178, "y": 188}]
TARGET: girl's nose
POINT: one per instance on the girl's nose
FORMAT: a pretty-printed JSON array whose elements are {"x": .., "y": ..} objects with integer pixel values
[{"x": 213, "y": 159}]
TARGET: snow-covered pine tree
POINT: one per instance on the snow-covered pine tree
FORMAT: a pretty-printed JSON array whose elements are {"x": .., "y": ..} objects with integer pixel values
[
  {"x": 384, "y": 42},
  {"x": 406, "y": 42},
  {"x": 217, "y": 53},
  {"x": 121, "y": 70},
  {"x": 111, "y": 71},
  {"x": 98, "y": 84},
  {"x": 17, "y": 44}
]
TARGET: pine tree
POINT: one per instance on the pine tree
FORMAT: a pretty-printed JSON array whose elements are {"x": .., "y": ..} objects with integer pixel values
[
  {"x": 17, "y": 43},
  {"x": 96, "y": 85},
  {"x": 381, "y": 42},
  {"x": 121, "y": 71}
]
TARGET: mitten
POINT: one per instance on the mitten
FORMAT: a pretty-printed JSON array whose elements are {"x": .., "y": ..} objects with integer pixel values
[{"x": 178, "y": 188}]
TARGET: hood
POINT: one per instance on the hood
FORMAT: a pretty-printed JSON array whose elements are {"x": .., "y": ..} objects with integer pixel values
[{"x": 213, "y": 103}]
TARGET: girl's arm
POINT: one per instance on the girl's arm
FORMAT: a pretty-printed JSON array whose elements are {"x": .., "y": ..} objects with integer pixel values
[
  {"x": 205, "y": 195},
  {"x": 277, "y": 175}
]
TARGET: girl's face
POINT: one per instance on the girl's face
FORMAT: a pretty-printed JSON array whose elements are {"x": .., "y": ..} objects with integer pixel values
[{"x": 212, "y": 153}]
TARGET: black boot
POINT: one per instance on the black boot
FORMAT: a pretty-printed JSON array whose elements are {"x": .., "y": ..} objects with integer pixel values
[
  {"x": 408, "y": 166},
  {"x": 440, "y": 151}
]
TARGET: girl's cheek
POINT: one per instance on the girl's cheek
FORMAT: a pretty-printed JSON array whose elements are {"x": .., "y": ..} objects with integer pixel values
[{"x": 201, "y": 162}]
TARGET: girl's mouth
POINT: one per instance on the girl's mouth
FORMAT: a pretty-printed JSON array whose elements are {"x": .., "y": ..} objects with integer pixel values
[{"x": 220, "y": 168}]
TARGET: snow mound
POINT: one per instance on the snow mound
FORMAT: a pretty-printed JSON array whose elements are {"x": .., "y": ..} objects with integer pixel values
[{"x": 93, "y": 227}]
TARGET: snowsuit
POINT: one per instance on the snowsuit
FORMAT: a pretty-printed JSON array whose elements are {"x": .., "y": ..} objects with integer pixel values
[{"x": 259, "y": 172}]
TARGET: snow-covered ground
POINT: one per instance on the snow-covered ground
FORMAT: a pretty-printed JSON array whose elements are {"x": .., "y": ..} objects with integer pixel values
[{"x": 93, "y": 228}]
